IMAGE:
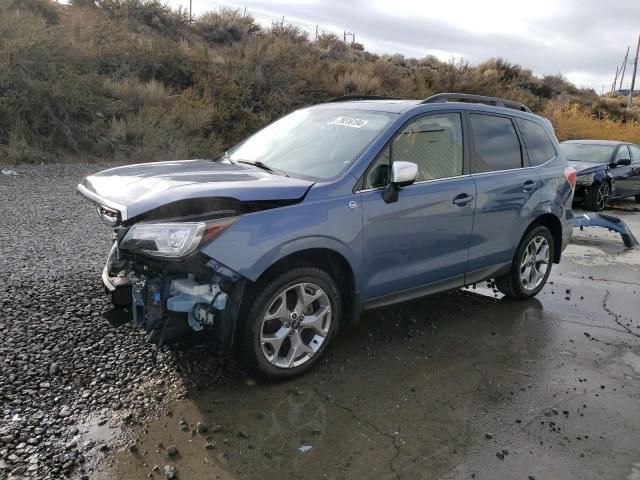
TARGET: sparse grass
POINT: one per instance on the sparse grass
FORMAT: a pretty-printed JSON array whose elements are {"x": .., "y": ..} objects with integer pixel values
[
  {"x": 133, "y": 80},
  {"x": 358, "y": 83}
]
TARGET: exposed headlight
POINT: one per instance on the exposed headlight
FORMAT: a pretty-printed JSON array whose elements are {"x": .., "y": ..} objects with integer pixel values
[
  {"x": 586, "y": 179},
  {"x": 172, "y": 239}
]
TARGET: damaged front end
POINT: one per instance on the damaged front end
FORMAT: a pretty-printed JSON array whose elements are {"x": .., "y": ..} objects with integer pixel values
[
  {"x": 178, "y": 302},
  {"x": 163, "y": 215}
]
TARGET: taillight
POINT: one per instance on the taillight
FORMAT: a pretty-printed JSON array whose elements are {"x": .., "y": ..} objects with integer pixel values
[{"x": 571, "y": 175}]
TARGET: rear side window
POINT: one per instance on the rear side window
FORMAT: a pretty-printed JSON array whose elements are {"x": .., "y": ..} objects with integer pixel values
[
  {"x": 635, "y": 153},
  {"x": 539, "y": 145},
  {"x": 496, "y": 143}
]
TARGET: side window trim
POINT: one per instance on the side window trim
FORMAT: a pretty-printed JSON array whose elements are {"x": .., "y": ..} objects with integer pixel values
[
  {"x": 472, "y": 151},
  {"x": 361, "y": 184}
]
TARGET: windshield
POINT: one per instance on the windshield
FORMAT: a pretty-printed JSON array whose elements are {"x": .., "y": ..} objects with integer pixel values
[
  {"x": 585, "y": 152},
  {"x": 312, "y": 142}
]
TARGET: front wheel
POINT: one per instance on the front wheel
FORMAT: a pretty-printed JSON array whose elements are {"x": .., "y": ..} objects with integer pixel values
[
  {"x": 597, "y": 197},
  {"x": 290, "y": 323},
  {"x": 531, "y": 265}
]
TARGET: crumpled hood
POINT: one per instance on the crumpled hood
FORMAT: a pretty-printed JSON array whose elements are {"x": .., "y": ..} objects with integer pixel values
[
  {"x": 586, "y": 167},
  {"x": 135, "y": 189}
]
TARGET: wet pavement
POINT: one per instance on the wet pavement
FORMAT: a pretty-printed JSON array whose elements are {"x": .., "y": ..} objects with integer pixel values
[{"x": 457, "y": 385}]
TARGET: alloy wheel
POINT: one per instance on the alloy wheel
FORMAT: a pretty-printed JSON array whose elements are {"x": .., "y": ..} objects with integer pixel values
[
  {"x": 534, "y": 263},
  {"x": 603, "y": 196},
  {"x": 295, "y": 325}
]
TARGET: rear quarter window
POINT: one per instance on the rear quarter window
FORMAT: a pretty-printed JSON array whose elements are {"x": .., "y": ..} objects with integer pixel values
[{"x": 539, "y": 146}]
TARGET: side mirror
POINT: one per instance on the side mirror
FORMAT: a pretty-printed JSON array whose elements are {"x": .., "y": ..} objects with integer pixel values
[{"x": 403, "y": 174}]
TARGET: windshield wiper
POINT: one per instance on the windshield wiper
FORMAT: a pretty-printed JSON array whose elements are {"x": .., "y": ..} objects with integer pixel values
[{"x": 263, "y": 166}]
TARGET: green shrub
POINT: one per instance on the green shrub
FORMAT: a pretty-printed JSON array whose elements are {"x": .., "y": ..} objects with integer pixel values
[
  {"x": 225, "y": 26},
  {"x": 178, "y": 129},
  {"x": 48, "y": 103},
  {"x": 43, "y": 8},
  {"x": 289, "y": 31}
]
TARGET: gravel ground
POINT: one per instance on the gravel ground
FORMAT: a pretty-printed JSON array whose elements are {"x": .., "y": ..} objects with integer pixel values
[{"x": 64, "y": 371}]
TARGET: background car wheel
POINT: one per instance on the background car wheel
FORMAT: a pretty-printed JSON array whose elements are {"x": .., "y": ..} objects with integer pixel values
[
  {"x": 290, "y": 322},
  {"x": 531, "y": 265},
  {"x": 597, "y": 197}
]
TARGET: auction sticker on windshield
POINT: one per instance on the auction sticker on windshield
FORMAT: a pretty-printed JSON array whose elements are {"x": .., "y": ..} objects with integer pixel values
[{"x": 349, "y": 122}]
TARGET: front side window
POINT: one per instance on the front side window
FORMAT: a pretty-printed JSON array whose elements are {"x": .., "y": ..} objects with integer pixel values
[
  {"x": 313, "y": 142},
  {"x": 539, "y": 145},
  {"x": 635, "y": 153},
  {"x": 433, "y": 142},
  {"x": 496, "y": 143},
  {"x": 622, "y": 154}
]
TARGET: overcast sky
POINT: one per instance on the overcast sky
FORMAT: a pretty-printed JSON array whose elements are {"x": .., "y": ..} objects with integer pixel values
[{"x": 582, "y": 39}]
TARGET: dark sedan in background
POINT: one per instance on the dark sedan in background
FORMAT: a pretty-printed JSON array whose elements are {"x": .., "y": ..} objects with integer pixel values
[{"x": 606, "y": 170}]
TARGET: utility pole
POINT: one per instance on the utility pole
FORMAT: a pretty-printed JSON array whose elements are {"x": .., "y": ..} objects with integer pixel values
[
  {"x": 615, "y": 80},
  {"x": 624, "y": 67},
  {"x": 633, "y": 78},
  {"x": 190, "y": 5}
]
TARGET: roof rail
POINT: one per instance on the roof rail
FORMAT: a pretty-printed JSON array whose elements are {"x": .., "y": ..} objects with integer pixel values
[
  {"x": 466, "y": 97},
  {"x": 351, "y": 98}
]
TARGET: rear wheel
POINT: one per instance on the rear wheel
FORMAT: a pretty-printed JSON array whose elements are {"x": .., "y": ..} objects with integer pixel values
[
  {"x": 597, "y": 197},
  {"x": 531, "y": 265},
  {"x": 290, "y": 323}
]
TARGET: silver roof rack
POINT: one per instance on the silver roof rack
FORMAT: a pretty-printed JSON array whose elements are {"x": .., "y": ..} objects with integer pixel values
[{"x": 467, "y": 97}]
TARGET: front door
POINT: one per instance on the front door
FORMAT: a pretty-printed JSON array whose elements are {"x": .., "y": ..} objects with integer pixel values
[
  {"x": 421, "y": 240},
  {"x": 627, "y": 177}
]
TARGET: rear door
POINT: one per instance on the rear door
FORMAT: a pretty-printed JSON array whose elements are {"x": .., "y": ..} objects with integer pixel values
[
  {"x": 626, "y": 177},
  {"x": 507, "y": 193},
  {"x": 419, "y": 243}
]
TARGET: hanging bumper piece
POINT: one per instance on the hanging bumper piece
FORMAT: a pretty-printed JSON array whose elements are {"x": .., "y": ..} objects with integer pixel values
[{"x": 613, "y": 224}]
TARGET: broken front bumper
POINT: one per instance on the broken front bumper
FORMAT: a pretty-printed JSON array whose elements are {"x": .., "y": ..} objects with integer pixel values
[
  {"x": 613, "y": 224},
  {"x": 173, "y": 301}
]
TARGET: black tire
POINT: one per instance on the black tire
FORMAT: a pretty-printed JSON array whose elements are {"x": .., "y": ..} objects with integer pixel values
[
  {"x": 511, "y": 284},
  {"x": 261, "y": 297},
  {"x": 597, "y": 196},
  {"x": 637, "y": 197}
]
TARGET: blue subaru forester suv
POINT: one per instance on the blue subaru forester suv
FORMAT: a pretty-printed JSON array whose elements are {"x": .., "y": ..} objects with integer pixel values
[{"x": 333, "y": 209}]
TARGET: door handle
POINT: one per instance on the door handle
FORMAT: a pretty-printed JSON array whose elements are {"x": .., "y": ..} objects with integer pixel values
[
  {"x": 529, "y": 186},
  {"x": 462, "y": 199}
]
